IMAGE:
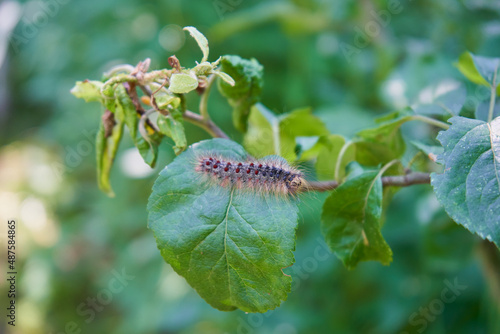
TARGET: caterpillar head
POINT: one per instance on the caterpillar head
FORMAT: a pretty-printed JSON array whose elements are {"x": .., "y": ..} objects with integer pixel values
[{"x": 295, "y": 184}]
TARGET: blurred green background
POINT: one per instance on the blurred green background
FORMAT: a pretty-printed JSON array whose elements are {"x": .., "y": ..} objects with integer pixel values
[{"x": 72, "y": 239}]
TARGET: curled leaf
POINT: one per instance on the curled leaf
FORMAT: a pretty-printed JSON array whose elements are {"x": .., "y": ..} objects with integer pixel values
[
  {"x": 201, "y": 40},
  {"x": 106, "y": 148},
  {"x": 87, "y": 90},
  {"x": 173, "y": 127},
  {"x": 226, "y": 77}
]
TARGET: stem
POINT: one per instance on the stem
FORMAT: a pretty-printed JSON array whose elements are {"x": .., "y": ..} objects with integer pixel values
[
  {"x": 119, "y": 68},
  {"x": 431, "y": 121},
  {"x": 130, "y": 87},
  {"x": 119, "y": 78},
  {"x": 204, "y": 97},
  {"x": 396, "y": 181},
  {"x": 321, "y": 186},
  {"x": 386, "y": 167},
  {"x": 379, "y": 174},
  {"x": 205, "y": 124},
  {"x": 145, "y": 118},
  {"x": 407, "y": 179},
  {"x": 493, "y": 95},
  {"x": 339, "y": 159}
]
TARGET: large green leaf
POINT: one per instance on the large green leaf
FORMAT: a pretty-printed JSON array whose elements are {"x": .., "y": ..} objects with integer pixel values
[
  {"x": 351, "y": 219},
  {"x": 247, "y": 87},
  {"x": 469, "y": 188},
  {"x": 229, "y": 244}
]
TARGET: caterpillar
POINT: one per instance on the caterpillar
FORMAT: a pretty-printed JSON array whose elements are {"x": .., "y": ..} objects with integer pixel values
[{"x": 271, "y": 175}]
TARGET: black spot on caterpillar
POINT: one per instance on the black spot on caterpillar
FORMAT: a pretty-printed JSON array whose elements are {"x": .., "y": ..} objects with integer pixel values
[{"x": 269, "y": 175}]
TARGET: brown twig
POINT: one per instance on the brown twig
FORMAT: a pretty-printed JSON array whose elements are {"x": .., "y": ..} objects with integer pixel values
[
  {"x": 407, "y": 180},
  {"x": 397, "y": 181},
  {"x": 132, "y": 92},
  {"x": 205, "y": 124}
]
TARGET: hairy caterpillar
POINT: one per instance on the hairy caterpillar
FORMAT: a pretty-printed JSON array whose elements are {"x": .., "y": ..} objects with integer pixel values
[{"x": 271, "y": 175}]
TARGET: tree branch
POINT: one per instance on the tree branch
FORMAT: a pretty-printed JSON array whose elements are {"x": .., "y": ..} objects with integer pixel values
[
  {"x": 493, "y": 96},
  {"x": 204, "y": 97},
  {"x": 407, "y": 180},
  {"x": 321, "y": 185},
  {"x": 205, "y": 124},
  {"x": 397, "y": 181}
]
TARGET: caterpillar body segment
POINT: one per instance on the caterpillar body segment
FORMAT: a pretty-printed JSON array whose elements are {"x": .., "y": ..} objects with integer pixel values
[{"x": 271, "y": 175}]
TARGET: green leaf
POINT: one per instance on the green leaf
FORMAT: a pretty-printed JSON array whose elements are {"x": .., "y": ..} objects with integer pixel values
[
  {"x": 182, "y": 83},
  {"x": 125, "y": 106},
  {"x": 269, "y": 134},
  {"x": 88, "y": 90},
  {"x": 244, "y": 90},
  {"x": 298, "y": 123},
  {"x": 328, "y": 163},
  {"x": 229, "y": 244},
  {"x": 201, "y": 40},
  {"x": 106, "y": 149},
  {"x": 469, "y": 188},
  {"x": 351, "y": 219},
  {"x": 163, "y": 100},
  {"x": 173, "y": 127},
  {"x": 384, "y": 143},
  {"x": 149, "y": 148},
  {"x": 226, "y": 77},
  {"x": 480, "y": 70},
  {"x": 310, "y": 147},
  {"x": 262, "y": 137}
]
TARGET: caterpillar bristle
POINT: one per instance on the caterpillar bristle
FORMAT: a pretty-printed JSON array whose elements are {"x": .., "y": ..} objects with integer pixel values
[{"x": 271, "y": 175}]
